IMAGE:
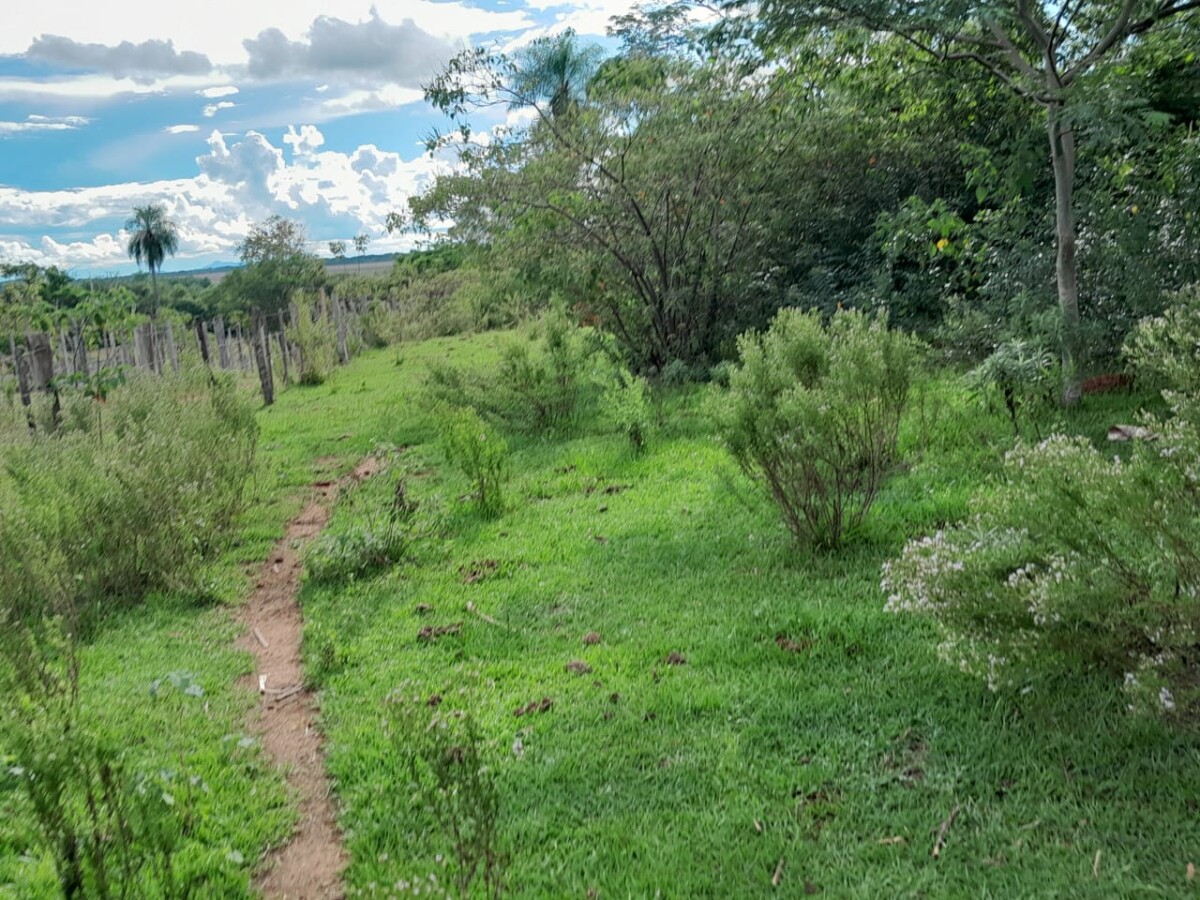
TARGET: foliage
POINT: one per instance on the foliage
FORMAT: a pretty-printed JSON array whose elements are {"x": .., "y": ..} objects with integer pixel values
[
  {"x": 1070, "y": 561},
  {"x": 660, "y": 254},
  {"x": 626, "y": 404},
  {"x": 479, "y": 452},
  {"x": 813, "y": 413},
  {"x": 314, "y": 335},
  {"x": 379, "y": 543},
  {"x": 136, "y": 509},
  {"x": 1021, "y": 373},
  {"x": 539, "y": 385},
  {"x": 276, "y": 263},
  {"x": 452, "y": 783}
]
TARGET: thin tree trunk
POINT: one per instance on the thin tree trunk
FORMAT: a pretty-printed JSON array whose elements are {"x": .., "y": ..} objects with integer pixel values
[{"x": 1062, "y": 156}]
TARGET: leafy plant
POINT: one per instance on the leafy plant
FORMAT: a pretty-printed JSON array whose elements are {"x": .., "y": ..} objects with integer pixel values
[
  {"x": 813, "y": 413},
  {"x": 626, "y": 404},
  {"x": 1070, "y": 561},
  {"x": 382, "y": 542},
  {"x": 453, "y": 784},
  {"x": 480, "y": 453},
  {"x": 1022, "y": 373},
  {"x": 315, "y": 338}
]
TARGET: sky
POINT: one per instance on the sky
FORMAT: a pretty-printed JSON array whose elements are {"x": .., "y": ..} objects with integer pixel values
[{"x": 229, "y": 111}]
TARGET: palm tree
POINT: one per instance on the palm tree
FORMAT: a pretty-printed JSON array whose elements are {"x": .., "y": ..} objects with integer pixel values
[
  {"x": 152, "y": 237},
  {"x": 557, "y": 70}
]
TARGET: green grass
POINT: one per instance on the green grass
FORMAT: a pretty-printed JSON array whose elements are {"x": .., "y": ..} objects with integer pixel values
[{"x": 647, "y": 777}]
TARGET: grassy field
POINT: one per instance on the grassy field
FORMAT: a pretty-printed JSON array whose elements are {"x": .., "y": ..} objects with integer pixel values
[{"x": 746, "y": 703}]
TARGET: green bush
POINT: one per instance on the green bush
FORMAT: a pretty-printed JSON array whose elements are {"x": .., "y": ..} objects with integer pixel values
[
  {"x": 1071, "y": 560},
  {"x": 626, "y": 404},
  {"x": 381, "y": 543},
  {"x": 813, "y": 413},
  {"x": 540, "y": 385},
  {"x": 481, "y": 454},
  {"x": 317, "y": 342},
  {"x": 135, "y": 507},
  {"x": 1021, "y": 373}
]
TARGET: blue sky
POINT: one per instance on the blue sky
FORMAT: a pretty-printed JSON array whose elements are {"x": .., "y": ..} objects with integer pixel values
[{"x": 228, "y": 111}]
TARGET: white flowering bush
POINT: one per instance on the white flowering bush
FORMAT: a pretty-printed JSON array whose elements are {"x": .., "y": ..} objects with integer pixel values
[
  {"x": 1070, "y": 560},
  {"x": 813, "y": 414}
]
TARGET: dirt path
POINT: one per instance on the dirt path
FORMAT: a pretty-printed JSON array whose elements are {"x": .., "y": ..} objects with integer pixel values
[{"x": 308, "y": 866}]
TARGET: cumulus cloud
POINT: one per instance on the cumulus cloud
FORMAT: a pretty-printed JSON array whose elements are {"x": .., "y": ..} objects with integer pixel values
[
  {"x": 371, "y": 50},
  {"x": 181, "y": 129},
  {"x": 239, "y": 182},
  {"x": 43, "y": 123},
  {"x": 213, "y": 108},
  {"x": 144, "y": 62}
]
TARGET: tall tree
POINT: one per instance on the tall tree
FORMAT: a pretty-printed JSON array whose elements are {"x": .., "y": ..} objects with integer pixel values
[
  {"x": 152, "y": 237},
  {"x": 1041, "y": 49}
]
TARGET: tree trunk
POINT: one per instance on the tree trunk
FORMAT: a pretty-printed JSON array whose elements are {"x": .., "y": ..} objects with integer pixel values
[
  {"x": 154, "y": 285},
  {"x": 1062, "y": 156}
]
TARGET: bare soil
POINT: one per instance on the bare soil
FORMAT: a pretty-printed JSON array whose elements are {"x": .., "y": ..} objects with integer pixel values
[{"x": 309, "y": 865}]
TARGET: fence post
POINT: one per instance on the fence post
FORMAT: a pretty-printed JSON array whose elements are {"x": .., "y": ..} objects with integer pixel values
[
  {"x": 222, "y": 345},
  {"x": 262, "y": 356},
  {"x": 172, "y": 350}
]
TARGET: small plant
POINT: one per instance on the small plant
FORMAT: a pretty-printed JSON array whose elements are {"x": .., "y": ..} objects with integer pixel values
[
  {"x": 813, "y": 413},
  {"x": 317, "y": 342},
  {"x": 481, "y": 454},
  {"x": 1022, "y": 373},
  {"x": 626, "y": 404},
  {"x": 453, "y": 784},
  {"x": 110, "y": 830},
  {"x": 381, "y": 543}
]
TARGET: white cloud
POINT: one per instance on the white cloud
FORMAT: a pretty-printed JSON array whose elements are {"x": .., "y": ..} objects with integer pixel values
[
  {"x": 216, "y": 28},
  {"x": 213, "y": 108},
  {"x": 90, "y": 87},
  {"x": 388, "y": 97},
  {"x": 220, "y": 90},
  {"x": 43, "y": 123},
  {"x": 181, "y": 129},
  {"x": 239, "y": 182}
]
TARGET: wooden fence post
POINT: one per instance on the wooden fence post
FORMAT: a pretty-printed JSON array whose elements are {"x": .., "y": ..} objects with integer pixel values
[
  {"x": 262, "y": 356},
  {"x": 222, "y": 345},
  {"x": 172, "y": 350}
]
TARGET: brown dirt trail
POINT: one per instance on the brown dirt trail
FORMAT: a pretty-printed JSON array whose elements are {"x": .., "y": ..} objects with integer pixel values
[{"x": 309, "y": 865}]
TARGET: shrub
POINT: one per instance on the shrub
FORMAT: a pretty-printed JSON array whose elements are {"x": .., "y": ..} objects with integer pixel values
[
  {"x": 1022, "y": 373},
  {"x": 110, "y": 829},
  {"x": 453, "y": 787},
  {"x": 474, "y": 447},
  {"x": 381, "y": 543},
  {"x": 626, "y": 404},
  {"x": 539, "y": 386},
  {"x": 1072, "y": 560},
  {"x": 135, "y": 509},
  {"x": 813, "y": 412},
  {"x": 317, "y": 341},
  {"x": 1069, "y": 560}
]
